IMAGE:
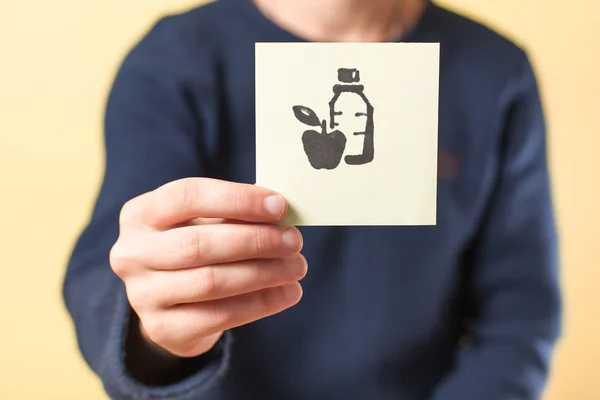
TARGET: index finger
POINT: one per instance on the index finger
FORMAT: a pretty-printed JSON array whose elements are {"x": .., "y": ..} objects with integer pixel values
[{"x": 186, "y": 199}]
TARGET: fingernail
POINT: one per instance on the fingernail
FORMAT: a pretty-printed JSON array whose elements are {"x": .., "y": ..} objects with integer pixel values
[
  {"x": 275, "y": 205},
  {"x": 298, "y": 266},
  {"x": 292, "y": 239}
]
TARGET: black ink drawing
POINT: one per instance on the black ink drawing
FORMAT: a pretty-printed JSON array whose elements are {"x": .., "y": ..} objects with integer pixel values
[{"x": 325, "y": 150}]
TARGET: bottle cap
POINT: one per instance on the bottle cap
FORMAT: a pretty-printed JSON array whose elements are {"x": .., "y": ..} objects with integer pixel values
[{"x": 348, "y": 75}]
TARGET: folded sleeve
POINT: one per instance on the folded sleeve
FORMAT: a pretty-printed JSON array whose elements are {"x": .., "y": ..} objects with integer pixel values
[
  {"x": 153, "y": 135},
  {"x": 513, "y": 288}
]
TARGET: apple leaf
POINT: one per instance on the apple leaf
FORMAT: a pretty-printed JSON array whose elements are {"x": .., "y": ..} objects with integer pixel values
[{"x": 306, "y": 116}]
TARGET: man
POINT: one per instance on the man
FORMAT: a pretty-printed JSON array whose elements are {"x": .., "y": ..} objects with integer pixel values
[{"x": 467, "y": 309}]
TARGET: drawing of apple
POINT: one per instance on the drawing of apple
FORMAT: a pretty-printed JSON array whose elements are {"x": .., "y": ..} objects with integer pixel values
[{"x": 324, "y": 150}]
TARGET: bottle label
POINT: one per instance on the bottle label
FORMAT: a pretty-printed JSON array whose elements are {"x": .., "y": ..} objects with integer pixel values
[{"x": 350, "y": 117}]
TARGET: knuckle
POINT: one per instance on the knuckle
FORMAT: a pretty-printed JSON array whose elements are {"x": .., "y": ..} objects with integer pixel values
[
  {"x": 157, "y": 331},
  {"x": 196, "y": 247},
  {"x": 127, "y": 254},
  {"x": 119, "y": 259},
  {"x": 261, "y": 239},
  {"x": 217, "y": 318},
  {"x": 185, "y": 192},
  {"x": 264, "y": 303},
  {"x": 205, "y": 281},
  {"x": 137, "y": 295},
  {"x": 271, "y": 271},
  {"x": 130, "y": 211},
  {"x": 239, "y": 200}
]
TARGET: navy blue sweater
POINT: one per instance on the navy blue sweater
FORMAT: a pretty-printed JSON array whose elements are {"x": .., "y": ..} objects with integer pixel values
[{"x": 468, "y": 309}]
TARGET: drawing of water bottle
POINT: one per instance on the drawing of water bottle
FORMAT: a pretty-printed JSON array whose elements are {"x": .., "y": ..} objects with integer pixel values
[{"x": 352, "y": 113}]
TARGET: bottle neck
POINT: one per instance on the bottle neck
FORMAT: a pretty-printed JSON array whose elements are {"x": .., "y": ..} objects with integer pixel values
[{"x": 348, "y": 88}]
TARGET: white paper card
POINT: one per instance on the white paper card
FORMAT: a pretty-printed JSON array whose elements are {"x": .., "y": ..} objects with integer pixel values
[{"x": 347, "y": 132}]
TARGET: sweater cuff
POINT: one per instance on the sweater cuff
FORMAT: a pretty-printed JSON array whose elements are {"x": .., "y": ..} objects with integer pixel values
[{"x": 120, "y": 385}]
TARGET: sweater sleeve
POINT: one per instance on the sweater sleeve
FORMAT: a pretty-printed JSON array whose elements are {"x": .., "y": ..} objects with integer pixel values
[
  {"x": 153, "y": 135},
  {"x": 513, "y": 286}
]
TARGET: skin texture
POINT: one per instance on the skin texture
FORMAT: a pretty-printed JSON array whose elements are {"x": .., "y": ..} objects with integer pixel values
[{"x": 200, "y": 256}]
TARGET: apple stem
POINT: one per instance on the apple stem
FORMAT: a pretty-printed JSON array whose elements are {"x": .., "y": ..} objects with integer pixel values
[{"x": 324, "y": 127}]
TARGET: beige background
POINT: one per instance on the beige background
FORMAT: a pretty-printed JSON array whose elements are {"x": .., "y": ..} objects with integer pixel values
[
  {"x": 401, "y": 82},
  {"x": 57, "y": 59}
]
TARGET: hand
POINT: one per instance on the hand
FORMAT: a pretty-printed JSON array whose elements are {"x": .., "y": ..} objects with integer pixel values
[{"x": 199, "y": 256}]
